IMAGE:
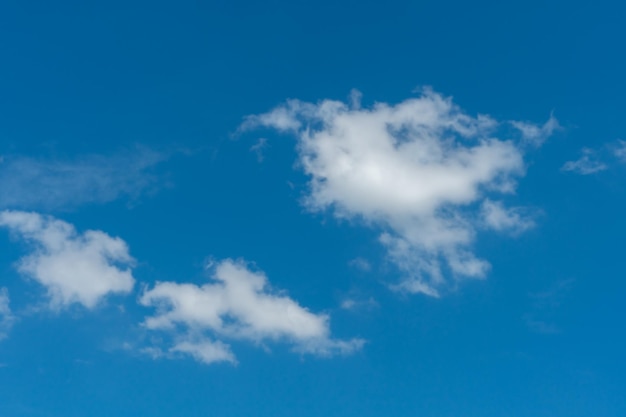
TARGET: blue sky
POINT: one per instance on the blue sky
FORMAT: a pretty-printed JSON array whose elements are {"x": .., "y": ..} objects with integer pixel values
[{"x": 312, "y": 209}]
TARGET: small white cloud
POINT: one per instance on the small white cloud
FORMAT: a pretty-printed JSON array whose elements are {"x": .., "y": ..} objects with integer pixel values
[
  {"x": 237, "y": 305},
  {"x": 7, "y": 319},
  {"x": 414, "y": 169},
  {"x": 258, "y": 148},
  {"x": 587, "y": 164},
  {"x": 500, "y": 218},
  {"x": 534, "y": 134},
  {"x": 74, "y": 268},
  {"x": 353, "y": 303},
  {"x": 281, "y": 119},
  {"x": 205, "y": 351},
  {"x": 619, "y": 150},
  {"x": 415, "y": 286},
  {"x": 31, "y": 183},
  {"x": 361, "y": 264}
]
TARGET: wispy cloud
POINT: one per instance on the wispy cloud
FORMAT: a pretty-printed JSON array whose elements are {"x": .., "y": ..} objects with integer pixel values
[
  {"x": 258, "y": 149},
  {"x": 534, "y": 134},
  {"x": 74, "y": 267},
  {"x": 594, "y": 160},
  {"x": 544, "y": 306},
  {"x": 587, "y": 164},
  {"x": 355, "y": 303},
  {"x": 414, "y": 169},
  {"x": 619, "y": 150},
  {"x": 7, "y": 319},
  {"x": 361, "y": 264},
  {"x": 50, "y": 183},
  {"x": 237, "y": 305},
  {"x": 498, "y": 217}
]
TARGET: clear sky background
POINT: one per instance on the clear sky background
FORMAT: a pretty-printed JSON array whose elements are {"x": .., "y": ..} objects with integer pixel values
[{"x": 312, "y": 208}]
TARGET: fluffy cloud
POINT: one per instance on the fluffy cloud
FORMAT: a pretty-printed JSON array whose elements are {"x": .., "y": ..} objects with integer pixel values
[
  {"x": 587, "y": 164},
  {"x": 534, "y": 134},
  {"x": 74, "y": 268},
  {"x": 418, "y": 169},
  {"x": 6, "y": 316},
  {"x": 30, "y": 183},
  {"x": 237, "y": 305}
]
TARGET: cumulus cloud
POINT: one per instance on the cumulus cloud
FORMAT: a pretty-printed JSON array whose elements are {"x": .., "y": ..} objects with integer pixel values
[
  {"x": 6, "y": 316},
  {"x": 73, "y": 267},
  {"x": 416, "y": 169},
  {"x": 238, "y": 304},
  {"x": 534, "y": 134},
  {"x": 36, "y": 183},
  {"x": 587, "y": 164}
]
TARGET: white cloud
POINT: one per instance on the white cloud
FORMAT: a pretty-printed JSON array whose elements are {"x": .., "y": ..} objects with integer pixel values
[
  {"x": 30, "y": 183},
  {"x": 205, "y": 351},
  {"x": 619, "y": 150},
  {"x": 74, "y": 268},
  {"x": 501, "y": 218},
  {"x": 355, "y": 98},
  {"x": 258, "y": 148},
  {"x": 416, "y": 169},
  {"x": 534, "y": 134},
  {"x": 6, "y": 316},
  {"x": 237, "y": 305},
  {"x": 361, "y": 264},
  {"x": 281, "y": 118},
  {"x": 353, "y": 303},
  {"x": 587, "y": 164}
]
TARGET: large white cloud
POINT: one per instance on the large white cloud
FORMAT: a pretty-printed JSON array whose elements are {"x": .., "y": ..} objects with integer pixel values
[
  {"x": 238, "y": 304},
  {"x": 6, "y": 315},
  {"x": 418, "y": 169},
  {"x": 74, "y": 268}
]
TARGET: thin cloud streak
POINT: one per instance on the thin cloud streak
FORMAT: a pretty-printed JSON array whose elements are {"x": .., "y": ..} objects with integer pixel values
[{"x": 52, "y": 184}]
